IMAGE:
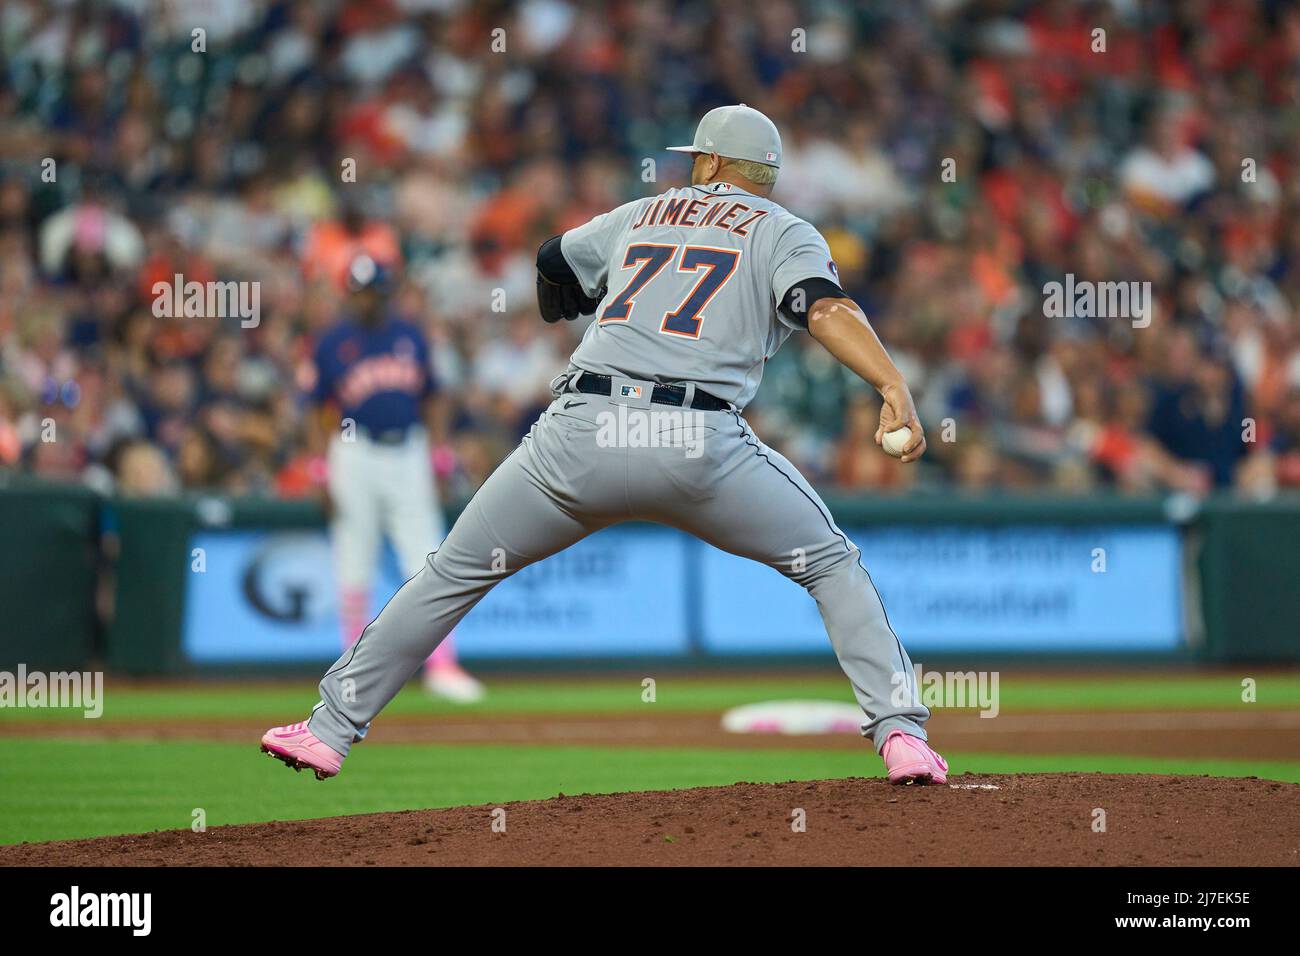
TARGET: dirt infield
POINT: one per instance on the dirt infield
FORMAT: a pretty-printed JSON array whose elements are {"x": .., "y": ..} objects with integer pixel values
[
  {"x": 975, "y": 820},
  {"x": 1255, "y": 735}
]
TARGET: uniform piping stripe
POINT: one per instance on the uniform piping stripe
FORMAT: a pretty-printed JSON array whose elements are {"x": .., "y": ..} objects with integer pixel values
[{"x": 357, "y": 643}]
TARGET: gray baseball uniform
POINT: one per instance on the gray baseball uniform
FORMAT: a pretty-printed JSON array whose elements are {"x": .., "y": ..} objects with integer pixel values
[{"x": 694, "y": 278}]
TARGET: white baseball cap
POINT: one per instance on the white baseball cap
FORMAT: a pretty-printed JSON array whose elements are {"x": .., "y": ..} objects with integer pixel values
[{"x": 737, "y": 132}]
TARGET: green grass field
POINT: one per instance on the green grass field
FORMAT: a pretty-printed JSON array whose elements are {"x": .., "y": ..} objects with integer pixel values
[
  {"x": 58, "y": 788},
  {"x": 255, "y": 699}
]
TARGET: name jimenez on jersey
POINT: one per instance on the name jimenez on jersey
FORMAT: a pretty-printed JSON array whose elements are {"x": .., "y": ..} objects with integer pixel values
[
  {"x": 684, "y": 211},
  {"x": 694, "y": 278}
]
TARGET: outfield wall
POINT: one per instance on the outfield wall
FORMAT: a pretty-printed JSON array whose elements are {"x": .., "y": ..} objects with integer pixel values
[{"x": 211, "y": 583}]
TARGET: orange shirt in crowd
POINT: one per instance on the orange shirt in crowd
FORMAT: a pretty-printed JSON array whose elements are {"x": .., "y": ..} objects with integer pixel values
[{"x": 330, "y": 249}]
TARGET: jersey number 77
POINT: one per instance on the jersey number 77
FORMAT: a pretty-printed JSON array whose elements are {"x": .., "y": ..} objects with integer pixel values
[{"x": 718, "y": 265}]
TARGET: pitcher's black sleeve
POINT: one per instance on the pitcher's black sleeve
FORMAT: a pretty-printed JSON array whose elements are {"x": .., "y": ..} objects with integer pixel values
[
  {"x": 559, "y": 294},
  {"x": 551, "y": 263},
  {"x": 804, "y": 294}
]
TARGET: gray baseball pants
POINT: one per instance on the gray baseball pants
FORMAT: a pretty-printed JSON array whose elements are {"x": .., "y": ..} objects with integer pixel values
[{"x": 592, "y": 461}]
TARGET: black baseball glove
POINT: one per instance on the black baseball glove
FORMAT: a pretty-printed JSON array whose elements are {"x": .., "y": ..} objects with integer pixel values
[{"x": 564, "y": 300}]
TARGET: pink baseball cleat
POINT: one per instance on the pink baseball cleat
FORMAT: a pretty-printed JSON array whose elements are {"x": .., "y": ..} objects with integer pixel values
[
  {"x": 910, "y": 760},
  {"x": 299, "y": 749}
]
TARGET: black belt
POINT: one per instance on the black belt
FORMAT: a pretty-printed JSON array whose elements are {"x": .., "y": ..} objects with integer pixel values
[
  {"x": 592, "y": 384},
  {"x": 388, "y": 436}
]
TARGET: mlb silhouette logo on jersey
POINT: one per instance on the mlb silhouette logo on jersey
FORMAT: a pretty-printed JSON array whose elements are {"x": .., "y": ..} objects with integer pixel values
[{"x": 630, "y": 391}]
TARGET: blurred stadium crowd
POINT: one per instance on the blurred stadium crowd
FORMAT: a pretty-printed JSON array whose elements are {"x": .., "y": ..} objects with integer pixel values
[{"x": 1169, "y": 158}]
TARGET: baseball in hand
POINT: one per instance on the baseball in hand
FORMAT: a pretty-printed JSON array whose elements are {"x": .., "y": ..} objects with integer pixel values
[{"x": 894, "y": 442}]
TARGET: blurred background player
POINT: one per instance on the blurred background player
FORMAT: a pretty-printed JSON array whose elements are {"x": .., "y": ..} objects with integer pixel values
[{"x": 374, "y": 395}]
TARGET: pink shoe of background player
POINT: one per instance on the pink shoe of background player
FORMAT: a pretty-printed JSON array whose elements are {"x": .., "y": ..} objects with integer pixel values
[
  {"x": 910, "y": 760},
  {"x": 299, "y": 749}
]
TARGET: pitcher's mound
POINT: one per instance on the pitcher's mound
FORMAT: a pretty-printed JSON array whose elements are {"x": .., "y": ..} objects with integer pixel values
[{"x": 1030, "y": 819}]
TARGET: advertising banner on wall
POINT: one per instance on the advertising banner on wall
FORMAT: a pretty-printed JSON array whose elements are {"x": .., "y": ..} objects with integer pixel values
[
  {"x": 1010, "y": 589},
  {"x": 269, "y": 596}
]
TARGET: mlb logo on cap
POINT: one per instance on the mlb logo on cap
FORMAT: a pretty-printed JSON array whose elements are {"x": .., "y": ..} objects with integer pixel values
[
  {"x": 630, "y": 391},
  {"x": 771, "y": 157}
]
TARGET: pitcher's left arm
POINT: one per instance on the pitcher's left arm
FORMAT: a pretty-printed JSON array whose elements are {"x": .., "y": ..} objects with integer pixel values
[{"x": 559, "y": 293}]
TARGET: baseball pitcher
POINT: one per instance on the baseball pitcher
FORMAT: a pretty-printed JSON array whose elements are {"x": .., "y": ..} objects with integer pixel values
[{"x": 693, "y": 290}]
